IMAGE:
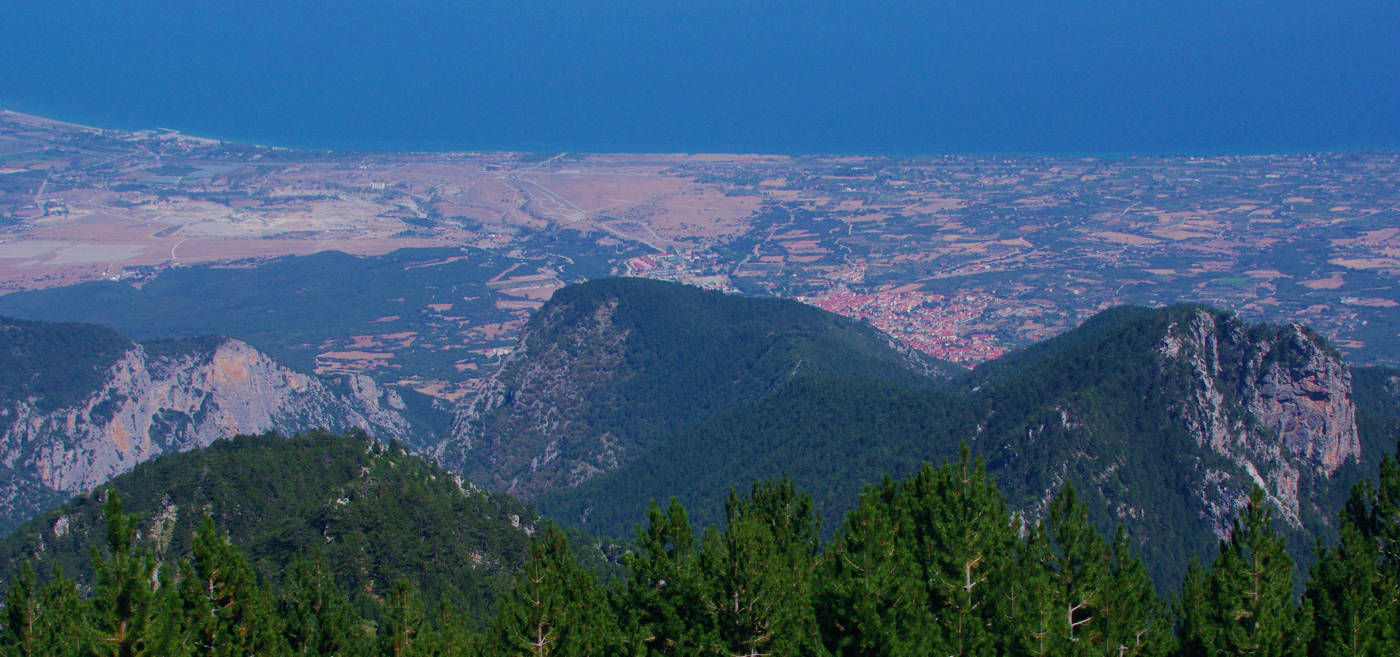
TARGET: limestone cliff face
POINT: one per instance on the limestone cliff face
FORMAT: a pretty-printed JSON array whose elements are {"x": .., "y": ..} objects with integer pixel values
[
  {"x": 155, "y": 404},
  {"x": 1274, "y": 401}
]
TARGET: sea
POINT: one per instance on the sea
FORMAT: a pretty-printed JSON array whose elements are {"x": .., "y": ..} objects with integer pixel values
[{"x": 1075, "y": 77}]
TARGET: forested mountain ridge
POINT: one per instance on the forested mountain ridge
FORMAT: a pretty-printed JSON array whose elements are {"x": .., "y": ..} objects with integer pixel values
[
  {"x": 624, "y": 390},
  {"x": 372, "y": 511},
  {"x": 607, "y": 369},
  {"x": 933, "y": 564},
  {"x": 80, "y": 404},
  {"x": 1165, "y": 419}
]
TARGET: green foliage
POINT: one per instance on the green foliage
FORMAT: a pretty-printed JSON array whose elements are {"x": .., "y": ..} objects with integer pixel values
[
  {"x": 760, "y": 573},
  {"x": 1244, "y": 604},
  {"x": 931, "y": 565},
  {"x": 374, "y": 512},
  {"x": 1098, "y": 405},
  {"x": 684, "y": 355},
  {"x": 662, "y": 601},
  {"x": 830, "y": 435},
  {"x": 319, "y": 617},
  {"x": 405, "y": 631},
  {"x": 128, "y": 596},
  {"x": 220, "y": 595},
  {"x": 43, "y": 619},
  {"x": 1355, "y": 586},
  {"x": 557, "y": 607},
  {"x": 919, "y": 567},
  {"x": 869, "y": 601},
  {"x": 55, "y": 365},
  {"x": 1086, "y": 596},
  {"x": 959, "y": 526}
]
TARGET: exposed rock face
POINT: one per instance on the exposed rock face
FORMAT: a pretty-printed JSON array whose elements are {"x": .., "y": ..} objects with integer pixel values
[
  {"x": 154, "y": 405},
  {"x": 1274, "y": 401},
  {"x": 536, "y": 398}
]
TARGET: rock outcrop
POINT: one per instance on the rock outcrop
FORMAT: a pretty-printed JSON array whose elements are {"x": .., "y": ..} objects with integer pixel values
[
  {"x": 151, "y": 404},
  {"x": 1276, "y": 401},
  {"x": 538, "y": 394}
]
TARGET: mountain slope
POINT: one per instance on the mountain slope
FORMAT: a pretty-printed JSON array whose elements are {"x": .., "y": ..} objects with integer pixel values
[
  {"x": 1163, "y": 419},
  {"x": 374, "y": 511},
  {"x": 608, "y": 368},
  {"x": 82, "y": 404}
]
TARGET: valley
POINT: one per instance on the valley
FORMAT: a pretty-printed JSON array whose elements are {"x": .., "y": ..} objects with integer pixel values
[
  {"x": 961, "y": 257},
  {"x": 1170, "y": 338}
]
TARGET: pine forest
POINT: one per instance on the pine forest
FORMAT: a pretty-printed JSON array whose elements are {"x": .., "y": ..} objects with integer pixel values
[{"x": 933, "y": 564}]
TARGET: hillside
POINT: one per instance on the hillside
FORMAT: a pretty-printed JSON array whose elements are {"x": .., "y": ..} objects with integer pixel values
[
  {"x": 80, "y": 404},
  {"x": 928, "y": 565},
  {"x": 1163, "y": 419},
  {"x": 375, "y": 512},
  {"x": 610, "y": 368},
  {"x": 624, "y": 390}
]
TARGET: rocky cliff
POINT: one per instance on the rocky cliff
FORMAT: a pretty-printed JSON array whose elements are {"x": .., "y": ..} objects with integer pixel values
[
  {"x": 1275, "y": 401},
  {"x": 168, "y": 397}
]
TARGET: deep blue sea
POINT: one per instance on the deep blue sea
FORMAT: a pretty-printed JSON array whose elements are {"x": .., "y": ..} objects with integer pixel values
[{"x": 973, "y": 76}]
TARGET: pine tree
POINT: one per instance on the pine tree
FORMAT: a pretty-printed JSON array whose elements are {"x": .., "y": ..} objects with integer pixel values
[
  {"x": 43, "y": 619},
  {"x": 1355, "y": 586},
  {"x": 1244, "y": 605},
  {"x": 1075, "y": 594},
  {"x": 872, "y": 599},
  {"x": 662, "y": 599},
  {"x": 1135, "y": 618},
  {"x": 557, "y": 608},
  {"x": 406, "y": 632},
  {"x": 760, "y": 571},
  {"x": 1349, "y": 598},
  {"x": 24, "y": 616},
  {"x": 128, "y": 617},
  {"x": 1079, "y": 569},
  {"x": 318, "y": 617},
  {"x": 227, "y": 612},
  {"x": 963, "y": 540},
  {"x": 1032, "y": 600},
  {"x": 451, "y": 635}
]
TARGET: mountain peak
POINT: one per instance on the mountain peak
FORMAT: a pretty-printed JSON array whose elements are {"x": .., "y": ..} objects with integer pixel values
[{"x": 607, "y": 368}]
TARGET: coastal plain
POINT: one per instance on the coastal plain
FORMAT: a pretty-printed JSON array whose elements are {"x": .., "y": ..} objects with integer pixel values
[{"x": 961, "y": 257}]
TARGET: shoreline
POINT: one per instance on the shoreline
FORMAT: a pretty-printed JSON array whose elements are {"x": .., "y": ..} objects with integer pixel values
[{"x": 1117, "y": 156}]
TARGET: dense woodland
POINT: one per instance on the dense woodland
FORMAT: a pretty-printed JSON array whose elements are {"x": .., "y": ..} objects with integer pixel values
[
  {"x": 374, "y": 512},
  {"x": 1097, "y": 406},
  {"x": 932, "y": 564}
]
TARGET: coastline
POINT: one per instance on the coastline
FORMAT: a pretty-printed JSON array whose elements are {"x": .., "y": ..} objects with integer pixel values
[{"x": 89, "y": 125}]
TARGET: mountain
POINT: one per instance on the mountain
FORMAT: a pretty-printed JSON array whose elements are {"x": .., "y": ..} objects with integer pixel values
[
  {"x": 375, "y": 512},
  {"x": 80, "y": 404},
  {"x": 1163, "y": 420},
  {"x": 608, "y": 369},
  {"x": 624, "y": 390}
]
